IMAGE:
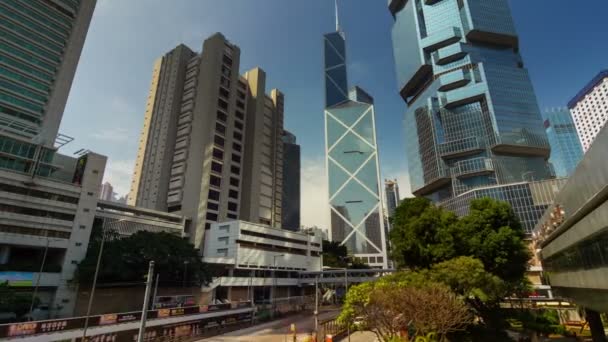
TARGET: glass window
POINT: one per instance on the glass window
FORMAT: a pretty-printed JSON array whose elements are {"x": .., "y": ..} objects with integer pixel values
[
  {"x": 219, "y": 141},
  {"x": 216, "y": 167},
  {"x": 221, "y": 116},
  {"x": 235, "y": 169},
  {"x": 218, "y": 154},
  {"x": 236, "y": 158},
  {"x": 234, "y": 181},
  {"x": 236, "y": 147},
  {"x": 215, "y": 181},
  {"x": 233, "y": 194},
  {"x": 214, "y": 195},
  {"x": 232, "y": 206},
  {"x": 238, "y": 136}
]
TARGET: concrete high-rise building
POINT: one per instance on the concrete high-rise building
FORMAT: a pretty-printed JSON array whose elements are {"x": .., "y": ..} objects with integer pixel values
[
  {"x": 472, "y": 120},
  {"x": 291, "y": 184},
  {"x": 589, "y": 109},
  {"x": 566, "y": 150},
  {"x": 39, "y": 52},
  {"x": 107, "y": 192},
  {"x": 391, "y": 189},
  {"x": 211, "y": 146},
  {"x": 357, "y": 218}
]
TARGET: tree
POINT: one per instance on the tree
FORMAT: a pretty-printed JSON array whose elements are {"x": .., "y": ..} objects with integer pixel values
[
  {"x": 492, "y": 233},
  {"x": 126, "y": 259},
  {"x": 481, "y": 256},
  {"x": 421, "y": 235},
  {"x": 406, "y": 302},
  {"x": 334, "y": 254},
  {"x": 15, "y": 302}
]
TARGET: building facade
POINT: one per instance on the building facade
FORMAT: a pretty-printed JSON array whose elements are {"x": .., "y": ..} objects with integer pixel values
[
  {"x": 590, "y": 109},
  {"x": 391, "y": 189},
  {"x": 260, "y": 257},
  {"x": 291, "y": 185},
  {"x": 571, "y": 238},
  {"x": 529, "y": 200},
  {"x": 472, "y": 118},
  {"x": 107, "y": 192},
  {"x": 566, "y": 150},
  {"x": 211, "y": 146},
  {"x": 351, "y": 151},
  {"x": 47, "y": 212},
  {"x": 39, "y": 52}
]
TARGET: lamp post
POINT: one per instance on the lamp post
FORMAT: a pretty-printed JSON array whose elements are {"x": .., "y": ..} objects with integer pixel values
[
  {"x": 274, "y": 281},
  {"x": 103, "y": 241}
]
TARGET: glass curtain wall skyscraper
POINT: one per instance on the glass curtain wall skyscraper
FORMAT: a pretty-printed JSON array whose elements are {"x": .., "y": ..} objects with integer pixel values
[
  {"x": 566, "y": 149},
  {"x": 472, "y": 118},
  {"x": 352, "y": 160}
]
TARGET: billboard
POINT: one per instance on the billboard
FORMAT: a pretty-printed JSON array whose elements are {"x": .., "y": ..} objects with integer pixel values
[{"x": 17, "y": 279}]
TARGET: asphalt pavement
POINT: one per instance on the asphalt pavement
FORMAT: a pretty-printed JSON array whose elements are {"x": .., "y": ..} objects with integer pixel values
[{"x": 276, "y": 331}]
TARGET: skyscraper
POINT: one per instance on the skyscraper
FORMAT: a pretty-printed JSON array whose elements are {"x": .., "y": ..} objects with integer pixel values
[
  {"x": 566, "y": 150},
  {"x": 590, "y": 109},
  {"x": 291, "y": 184},
  {"x": 352, "y": 160},
  {"x": 39, "y": 52},
  {"x": 391, "y": 189},
  {"x": 211, "y": 146},
  {"x": 472, "y": 119},
  {"x": 107, "y": 192}
]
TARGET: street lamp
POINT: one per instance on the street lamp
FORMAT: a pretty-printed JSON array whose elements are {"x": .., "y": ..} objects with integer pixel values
[
  {"x": 103, "y": 241},
  {"x": 274, "y": 281}
]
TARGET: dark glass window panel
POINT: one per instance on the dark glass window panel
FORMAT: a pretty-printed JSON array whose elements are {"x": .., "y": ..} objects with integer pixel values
[
  {"x": 214, "y": 195},
  {"x": 217, "y": 167},
  {"x": 220, "y": 128},
  {"x": 218, "y": 154},
  {"x": 219, "y": 141},
  {"x": 215, "y": 181}
]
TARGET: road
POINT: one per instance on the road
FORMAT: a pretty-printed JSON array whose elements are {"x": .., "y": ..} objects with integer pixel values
[{"x": 276, "y": 331}]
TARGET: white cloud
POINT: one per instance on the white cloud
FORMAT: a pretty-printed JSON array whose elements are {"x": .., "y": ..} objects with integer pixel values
[
  {"x": 119, "y": 173},
  {"x": 314, "y": 206},
  {"x": 114, "y": 135}
]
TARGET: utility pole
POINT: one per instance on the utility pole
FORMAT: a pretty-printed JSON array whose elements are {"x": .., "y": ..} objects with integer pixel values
[
  {"x": 316, "y": 304},
  {"x": 46, "y": 250},
  {"x": 144, "y": 310},
  {"x": 345, "y": 292},
  {"x": 155, "y": 292}
]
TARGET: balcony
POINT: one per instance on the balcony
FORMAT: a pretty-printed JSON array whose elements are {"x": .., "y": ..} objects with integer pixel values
[
  {"x": 449, "y": 54},
  {"x": 460, "y": 148},
  {"x": 441, "y": 39},
  {"x": 494, "y": 38},
  {"x": 454, "y": 79},
  {"x": 473, "y": 167},
  {"x": 462, "y": 96},
  {"x": 435, "y": 183},
  {"x": 522, "y": 143}
]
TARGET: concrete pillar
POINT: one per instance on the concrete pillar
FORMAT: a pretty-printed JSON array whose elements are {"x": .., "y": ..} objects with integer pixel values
[
  {"x": 595, "y": 325},
  {"x": 5, "y": 252}
]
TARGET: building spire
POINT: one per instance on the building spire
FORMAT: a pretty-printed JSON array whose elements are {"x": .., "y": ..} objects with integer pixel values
[{"x": 337, "y": 18}]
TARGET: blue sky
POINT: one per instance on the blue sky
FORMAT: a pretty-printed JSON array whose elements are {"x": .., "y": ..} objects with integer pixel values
[{"x": 563, "y": 46}]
